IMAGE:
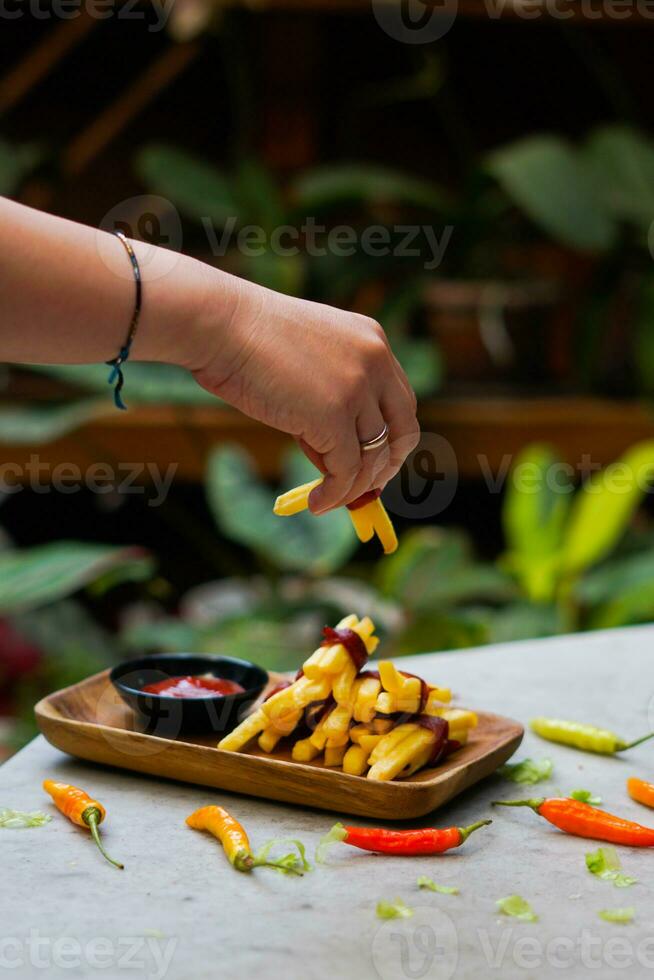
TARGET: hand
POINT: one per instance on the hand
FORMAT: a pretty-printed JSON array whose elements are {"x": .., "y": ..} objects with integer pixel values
[{"x": 325, "y": 376}]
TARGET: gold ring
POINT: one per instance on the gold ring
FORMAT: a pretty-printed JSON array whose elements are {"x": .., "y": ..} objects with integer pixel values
[{"x": 375, "y": 443}]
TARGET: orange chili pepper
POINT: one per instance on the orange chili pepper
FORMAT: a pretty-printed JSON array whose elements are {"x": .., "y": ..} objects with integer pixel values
[
  {"x": 583, "y": 820},
  {"x": 78, "y": 806},
  {"x": 641, "y": 791}
]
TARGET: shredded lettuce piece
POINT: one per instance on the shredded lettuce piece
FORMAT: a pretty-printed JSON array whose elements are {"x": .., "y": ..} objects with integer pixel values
[
  {"x": 15, "y": 819},
  {"x": 289, "y": 863},
  {"x": 528, "y": 772},
  {"x": 585, "y": 796},
  {"x": 605, "y": 863},
  {"x": 623, "y": 916},
  {"x": 393, "y": 910},
  {"x": 518, "y": 907},
  {"x": 336, "y": 834},
  {"x": 425, "y": 882}
]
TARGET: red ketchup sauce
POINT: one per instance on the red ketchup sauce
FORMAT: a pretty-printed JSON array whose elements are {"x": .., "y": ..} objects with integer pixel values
[{"x": 193, "y": 687}]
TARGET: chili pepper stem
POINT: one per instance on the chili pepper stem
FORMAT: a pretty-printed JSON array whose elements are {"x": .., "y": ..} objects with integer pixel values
[
  {"x": 534, "y": 803},
  {"x": 466, "y": 831},
  {"x": 91, "y": 818},
  {"x": 273, "y": 864},
  {"x": 639, "y": 741}
]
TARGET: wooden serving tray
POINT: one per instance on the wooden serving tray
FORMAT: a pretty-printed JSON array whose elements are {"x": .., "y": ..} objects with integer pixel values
[{"x": 90, "y": 720}]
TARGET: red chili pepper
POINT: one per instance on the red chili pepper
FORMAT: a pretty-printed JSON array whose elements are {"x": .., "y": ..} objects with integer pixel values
[
  {"x": 402, "y": 842},
  {"x": 350, "y": 640},
  {"x": 583, "y": 820}
]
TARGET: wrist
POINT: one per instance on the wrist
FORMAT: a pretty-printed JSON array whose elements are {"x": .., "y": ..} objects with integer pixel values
[{"x": 187, "y": 308}]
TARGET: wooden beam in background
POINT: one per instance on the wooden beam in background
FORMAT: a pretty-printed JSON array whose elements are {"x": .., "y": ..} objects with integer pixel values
[
  {"x": 43, "y": 57},
  {"x": 131, "y": 102}
]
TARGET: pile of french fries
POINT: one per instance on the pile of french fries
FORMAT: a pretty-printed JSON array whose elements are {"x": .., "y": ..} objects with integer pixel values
[
  {"x": 368, "y": 518},
  {"x": 368, "y": 726}
]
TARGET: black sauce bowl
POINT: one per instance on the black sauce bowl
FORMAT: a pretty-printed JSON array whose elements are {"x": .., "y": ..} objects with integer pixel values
[{"x": 162, "y": 714}]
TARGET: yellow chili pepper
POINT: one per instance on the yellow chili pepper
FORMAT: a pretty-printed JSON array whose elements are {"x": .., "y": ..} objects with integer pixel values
[
  {"x": 217, "y": 821},
  {"x": 586, "y": 737},
  {"x": 75, "y": 804},
  {"x": 225, "y": 828}
]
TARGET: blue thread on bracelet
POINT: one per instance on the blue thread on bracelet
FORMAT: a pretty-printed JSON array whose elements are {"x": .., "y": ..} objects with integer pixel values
[{"x": 116, "y": 376}]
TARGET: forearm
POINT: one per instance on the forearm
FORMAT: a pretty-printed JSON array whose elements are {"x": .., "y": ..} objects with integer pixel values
[{"x": 67, "y": 294}]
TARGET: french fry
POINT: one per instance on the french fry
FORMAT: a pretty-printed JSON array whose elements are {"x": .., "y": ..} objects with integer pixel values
[
  {"x": 438, "y": 696},
  {"x": 293, "y": 501},
  {"x": 381, "y": 726},
  {"x": 457, "y": 717},
  {"x": 420, "y": 760},
  {"x": 268, "y": 739},
  {"x": 391, "y": 740},
  {"x": 390, "y": 676},
  {"x": 344, "y": 686},
  {"x": 245, "y": 732},
  {"x": 312, "y": 667},
  {"x": 304, "y": 751},
  {"x": 337, "y": 658},
  {"x": 367, "y": 520},
  {"x": 355, "y": 760},
  {"x": 386, "y": 703},
  {"x": 401, "y": 755},
  {"x": 382, "y": 524},
  {"x": 362, "y": 524},
  {"x": 337, "y": 722},
  {"x": 406, "y": 690},
  {"x": 366, "y": 698},
  {"x": 334, "y": 754},
  {"x": 271, "y": 735}
]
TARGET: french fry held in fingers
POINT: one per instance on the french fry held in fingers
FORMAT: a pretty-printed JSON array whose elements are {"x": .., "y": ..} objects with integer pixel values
[
  {"x": 379, "y": 724},
  {"x": 368, "y": 513}
]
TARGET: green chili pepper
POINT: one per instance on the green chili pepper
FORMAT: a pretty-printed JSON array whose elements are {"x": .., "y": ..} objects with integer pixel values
[{"x": 586, "y": 737}]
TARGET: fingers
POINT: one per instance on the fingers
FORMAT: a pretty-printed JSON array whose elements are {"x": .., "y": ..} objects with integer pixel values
[
  {"x": 342, "y": 463},
  {"x": 404, "y": 433}
]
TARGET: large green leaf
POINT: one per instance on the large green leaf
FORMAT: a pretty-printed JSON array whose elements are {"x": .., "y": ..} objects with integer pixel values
[
  {"x": 621, "y": 591},
  {"x": 145, "y": 383},
  {"x": 439, "y": 630},
  {"x": 15, "y": 163},
  {"x": 197, "y": 188},
  {"x": 535, "y": 510},
  {"x": 260, "y": 202},
  {"x": 546, "y": 178},
  {"x": 643, "y": 331},
  {"x": 242, "y": 508},
  {"x": 603, "y": 508},
  {"x": 36, "y": 424},
  {"x": 433, "y": 567},
  {"x": 614, "y": 577},
  {"x": 366, "y": 185},
  {"x": 621, "y": 161},
  {"x": 36, "y": 576},
  {"x": 523, "y": 621},
  {"x": 634, "y": 605}
]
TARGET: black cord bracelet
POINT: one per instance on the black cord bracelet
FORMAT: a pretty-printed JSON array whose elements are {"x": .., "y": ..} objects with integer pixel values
[{"x": 116, "y": 374}]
